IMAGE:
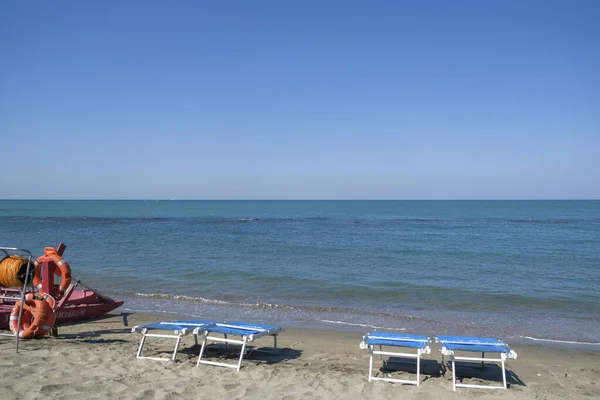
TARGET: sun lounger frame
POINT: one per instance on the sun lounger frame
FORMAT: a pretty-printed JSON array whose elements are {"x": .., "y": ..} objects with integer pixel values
[
  {"x": 179, "y": 329},
  {"x": 396, "y": 340},
  {"x": 488, "y": 345},
  {"x": 247, "y": 332}
]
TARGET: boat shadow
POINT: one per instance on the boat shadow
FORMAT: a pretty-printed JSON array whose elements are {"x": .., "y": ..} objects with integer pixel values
[{"x": 95, "y": 336}]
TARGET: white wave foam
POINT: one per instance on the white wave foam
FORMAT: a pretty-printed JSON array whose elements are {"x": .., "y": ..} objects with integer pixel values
[
  {"x": 151, "y": 311},
  {"x": 182, "y": 297},
  {"x": 210, "y": 301},
  {"x": 353, "y": 324},
  {"x": 559, "y": 341}
]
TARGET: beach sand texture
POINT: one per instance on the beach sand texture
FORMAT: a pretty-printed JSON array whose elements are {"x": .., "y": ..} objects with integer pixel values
[{"x": 96, "y": 360}]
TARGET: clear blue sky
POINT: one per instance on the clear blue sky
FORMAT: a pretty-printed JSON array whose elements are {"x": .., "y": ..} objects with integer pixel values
[{"x": 300, "y": 99}]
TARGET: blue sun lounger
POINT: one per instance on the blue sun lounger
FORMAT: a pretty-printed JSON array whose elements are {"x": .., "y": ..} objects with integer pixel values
[
  {"x": 178, "y": 328},
  {"x": 450, "y": 344},
  {"x": 417, "y": 342},
  {"x": 247, "y": 333}
]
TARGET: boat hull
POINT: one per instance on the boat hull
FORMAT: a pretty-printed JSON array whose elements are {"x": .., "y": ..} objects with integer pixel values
[
  {"x": 82, "y": 305},
  {"x": 81, "y": 312}
]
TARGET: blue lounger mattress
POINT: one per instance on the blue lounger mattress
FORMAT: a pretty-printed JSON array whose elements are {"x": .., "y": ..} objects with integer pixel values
[
  {"x": 178, "y": 325},
  {"x": 474, "y": 344},
  {"x": 396, "y": 339},
  {"x": 243, "y": 329}
]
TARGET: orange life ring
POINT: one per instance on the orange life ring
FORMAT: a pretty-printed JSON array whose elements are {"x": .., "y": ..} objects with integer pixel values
[
  {"x": 50, "y": 319},
  {"x": 14, "y": 314},
  {"x": 37, "y": 277},
  {"x": 62, "y": 268},
  {"x": 33, "y": 319}
]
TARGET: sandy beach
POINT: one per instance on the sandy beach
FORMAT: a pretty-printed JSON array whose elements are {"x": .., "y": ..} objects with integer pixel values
[{"x": 96, "y": 360}]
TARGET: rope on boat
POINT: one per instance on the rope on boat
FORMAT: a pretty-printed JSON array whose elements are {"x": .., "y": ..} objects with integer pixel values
[
  {"x": 100, "y": 295},
  {"x": 13, "y": 270}
]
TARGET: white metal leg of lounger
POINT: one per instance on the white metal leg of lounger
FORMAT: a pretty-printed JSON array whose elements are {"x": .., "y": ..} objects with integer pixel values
[
  {"x": 226, "y": 341},
  {"x": 243, "y": 342},
  {"x": 416, "y": 356},
  {"x": 145, "y": 335},
  {"x": 501, "y": 360}
]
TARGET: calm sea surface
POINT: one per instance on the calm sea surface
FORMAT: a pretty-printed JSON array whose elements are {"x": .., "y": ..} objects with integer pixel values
[{"x": 526, "y": 271}]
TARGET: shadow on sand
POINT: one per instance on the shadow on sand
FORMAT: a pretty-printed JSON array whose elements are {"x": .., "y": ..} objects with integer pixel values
[
  {"x": 254, "y": 355},
  {"x": 483, "y": 374},
  {"x": 486, "y": 373},
  {"x": 429, "y": 368}
]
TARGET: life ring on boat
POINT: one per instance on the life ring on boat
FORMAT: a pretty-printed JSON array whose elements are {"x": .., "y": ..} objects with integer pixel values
[
  {"x": 33, "y": 320},
  {"x": 63, "y": 269}
]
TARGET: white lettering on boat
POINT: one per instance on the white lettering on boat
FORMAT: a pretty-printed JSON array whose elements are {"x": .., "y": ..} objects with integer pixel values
[{"x": 70, "y": 314}]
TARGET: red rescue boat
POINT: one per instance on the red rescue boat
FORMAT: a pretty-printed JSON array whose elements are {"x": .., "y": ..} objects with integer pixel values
[{"x": 73, "y": 303}]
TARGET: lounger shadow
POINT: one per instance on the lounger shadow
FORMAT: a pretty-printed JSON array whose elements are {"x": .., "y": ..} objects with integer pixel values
[
  {"x": 478, "y": 374},
  {"x": 256, "y": 356},
  {"x": 431, "y": 368}
]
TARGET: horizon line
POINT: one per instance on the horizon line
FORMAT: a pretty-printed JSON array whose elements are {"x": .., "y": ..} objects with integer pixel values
[{"x": 331, "y": 199}]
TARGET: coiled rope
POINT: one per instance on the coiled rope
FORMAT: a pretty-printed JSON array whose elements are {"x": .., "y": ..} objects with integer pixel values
[{"x": 13, "y": 270}]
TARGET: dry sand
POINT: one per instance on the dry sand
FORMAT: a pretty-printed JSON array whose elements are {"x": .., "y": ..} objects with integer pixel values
[{"x": 96, "y": 360}]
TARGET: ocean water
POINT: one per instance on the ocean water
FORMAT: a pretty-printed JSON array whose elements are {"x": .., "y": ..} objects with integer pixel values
[{"x": 524, "y": 271}]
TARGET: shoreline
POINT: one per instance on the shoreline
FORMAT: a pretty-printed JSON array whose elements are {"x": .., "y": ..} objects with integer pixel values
[
  {"x": 97, "y": 359},
  {"x": 421, "y": 322}
]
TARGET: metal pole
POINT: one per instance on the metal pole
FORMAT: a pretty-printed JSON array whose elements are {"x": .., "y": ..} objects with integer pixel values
[{"x": 17, "y": 334}]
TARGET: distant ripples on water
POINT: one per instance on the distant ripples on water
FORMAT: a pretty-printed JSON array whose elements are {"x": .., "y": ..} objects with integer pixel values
[{"x": 522, "y": 268}]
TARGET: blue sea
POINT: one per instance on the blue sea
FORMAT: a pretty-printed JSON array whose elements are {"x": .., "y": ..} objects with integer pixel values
[{"x": 524, "y": 271}]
